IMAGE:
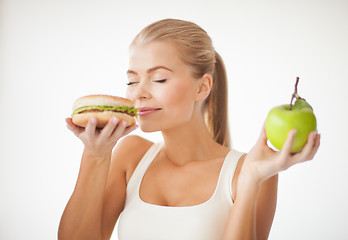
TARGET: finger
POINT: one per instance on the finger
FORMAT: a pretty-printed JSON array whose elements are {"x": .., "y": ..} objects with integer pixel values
[
  {"x": 307, "y": 149},
  {"x": 317, "y": 142},
  {"x": 109, "y": 127},
  {"x": 119, "y": 130},
  {"x": 288, "y": 143},
  {"x": 70, "y": 124},
  {"x": 72, "y": 127},
  {"x": 315, "y": 147},
  {"x": 130, "y": 129},
  {"x": 263, "y": 137},
  {"x": 91, "y": 126}
]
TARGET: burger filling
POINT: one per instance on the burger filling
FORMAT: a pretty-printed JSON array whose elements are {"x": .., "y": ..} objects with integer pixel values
[{"x": 132, "y": 111}]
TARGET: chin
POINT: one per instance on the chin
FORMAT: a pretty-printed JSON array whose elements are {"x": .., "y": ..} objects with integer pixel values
[
  {"x": 147, "y": 127},
  {"x": 160, "y": 124}
]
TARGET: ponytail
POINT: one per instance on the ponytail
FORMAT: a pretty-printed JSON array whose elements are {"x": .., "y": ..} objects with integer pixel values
[{"x": 216, "y": 105}]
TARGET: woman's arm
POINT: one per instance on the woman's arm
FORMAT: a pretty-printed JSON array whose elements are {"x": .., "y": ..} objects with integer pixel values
[
  {"x": 254, "y": 206},
  {"x": 253, "y": 210},
  {"x": 83, "y": 215},
  {"x": 124, "y": 158},
  {"x": 266, "y": 206}
]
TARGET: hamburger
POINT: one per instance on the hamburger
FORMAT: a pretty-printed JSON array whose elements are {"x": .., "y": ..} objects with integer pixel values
[{"x": 103, "y": 108}]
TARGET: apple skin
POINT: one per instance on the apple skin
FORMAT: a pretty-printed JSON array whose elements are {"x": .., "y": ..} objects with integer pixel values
[{"x": 281, "y": 120}]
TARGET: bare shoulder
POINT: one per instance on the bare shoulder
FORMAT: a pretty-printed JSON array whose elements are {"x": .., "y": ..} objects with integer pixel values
[
  {"x": 128, "y": 152},
  {"x": 132, "y": 142}
]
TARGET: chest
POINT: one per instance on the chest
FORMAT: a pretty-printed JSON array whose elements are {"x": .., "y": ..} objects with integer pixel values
[{"x": 166, "y": 184}]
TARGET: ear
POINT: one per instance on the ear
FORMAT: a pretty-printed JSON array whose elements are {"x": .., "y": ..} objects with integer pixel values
[{"x": 204, "y": 87}]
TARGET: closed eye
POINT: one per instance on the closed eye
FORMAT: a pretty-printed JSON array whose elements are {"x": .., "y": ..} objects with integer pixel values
[
  {"x": 160, "y": 81},
  {"x": 131, "y": 83}
]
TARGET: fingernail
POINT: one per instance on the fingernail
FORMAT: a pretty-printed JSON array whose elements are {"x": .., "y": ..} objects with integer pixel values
[
  {"x": 114, "y": 120},
  {"x": 93, "y": 120}
]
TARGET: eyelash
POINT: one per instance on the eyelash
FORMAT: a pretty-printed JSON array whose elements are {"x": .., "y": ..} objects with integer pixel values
[
  {"x": 130, "y": 83},
  {"x": 157, "y": 81},
  {"x": 161, "y": 81}
]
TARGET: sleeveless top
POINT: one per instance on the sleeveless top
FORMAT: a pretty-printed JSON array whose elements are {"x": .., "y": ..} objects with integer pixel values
[{"x": 206, "y": 221}]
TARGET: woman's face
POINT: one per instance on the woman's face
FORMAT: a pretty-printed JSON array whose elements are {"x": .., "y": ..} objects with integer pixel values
[{"x": 161, "y": 86}]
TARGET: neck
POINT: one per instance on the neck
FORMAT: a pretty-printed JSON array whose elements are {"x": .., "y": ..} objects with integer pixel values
[{"x": 191, "y": 141}]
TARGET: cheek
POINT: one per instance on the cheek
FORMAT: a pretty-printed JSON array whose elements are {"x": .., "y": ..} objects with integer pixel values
[
  {"x": 179, "y": 98},
  {"x": 130, "y": 93}
]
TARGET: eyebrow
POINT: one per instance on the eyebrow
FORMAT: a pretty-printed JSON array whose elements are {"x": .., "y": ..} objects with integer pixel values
[{"x": 151, "y": 70}]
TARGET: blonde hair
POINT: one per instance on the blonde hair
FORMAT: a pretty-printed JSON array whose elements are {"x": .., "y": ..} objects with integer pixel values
[{"x": 196, "y": 49}]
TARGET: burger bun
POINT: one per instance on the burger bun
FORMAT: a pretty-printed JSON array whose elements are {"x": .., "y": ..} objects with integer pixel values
[{"x": 102, "y": 117}]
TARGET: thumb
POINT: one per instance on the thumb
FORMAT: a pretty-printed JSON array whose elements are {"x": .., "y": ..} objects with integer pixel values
[{"x": 72, "y": 127}]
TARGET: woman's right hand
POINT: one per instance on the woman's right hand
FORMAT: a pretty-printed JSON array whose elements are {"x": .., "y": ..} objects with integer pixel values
[{"x": 100, "y": 142}]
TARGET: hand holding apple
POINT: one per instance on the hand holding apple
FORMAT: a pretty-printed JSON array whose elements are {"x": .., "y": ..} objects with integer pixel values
[{"x": 282, "y": 119}]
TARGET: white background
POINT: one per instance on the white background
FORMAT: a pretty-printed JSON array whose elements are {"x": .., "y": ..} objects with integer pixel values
[{"x": 54, "y": 51}]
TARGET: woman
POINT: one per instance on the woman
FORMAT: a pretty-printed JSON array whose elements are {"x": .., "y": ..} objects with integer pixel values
[{"x": 191, "y": 186}]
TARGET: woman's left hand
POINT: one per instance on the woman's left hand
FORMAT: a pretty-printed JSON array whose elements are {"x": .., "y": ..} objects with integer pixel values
[{"x": 262, "y": 162}]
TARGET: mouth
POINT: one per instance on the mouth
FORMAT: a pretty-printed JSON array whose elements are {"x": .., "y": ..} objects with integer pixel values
[{"x": 144, "y": 111}]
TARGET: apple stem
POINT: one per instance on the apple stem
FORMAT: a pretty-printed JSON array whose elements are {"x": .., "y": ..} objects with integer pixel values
[{"x": 295, "y": 95}]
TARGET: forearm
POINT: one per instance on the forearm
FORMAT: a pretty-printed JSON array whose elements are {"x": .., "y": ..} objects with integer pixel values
[
  {"x": 82, "y": 216},
  {"x": 242, "y": 221}
]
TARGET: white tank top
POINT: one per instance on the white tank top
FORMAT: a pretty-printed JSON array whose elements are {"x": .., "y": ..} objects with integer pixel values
[{"x": 206, "y": 221}]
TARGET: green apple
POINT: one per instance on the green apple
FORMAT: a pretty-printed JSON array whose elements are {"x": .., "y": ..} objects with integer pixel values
[{"x": 280, "y": 120}]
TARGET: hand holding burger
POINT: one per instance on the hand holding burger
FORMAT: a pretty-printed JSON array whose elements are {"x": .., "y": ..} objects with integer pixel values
[{"x": 99, "y": 121}]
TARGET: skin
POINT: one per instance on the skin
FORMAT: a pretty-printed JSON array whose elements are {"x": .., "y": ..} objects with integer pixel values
[{"x": 99, "y": 195}]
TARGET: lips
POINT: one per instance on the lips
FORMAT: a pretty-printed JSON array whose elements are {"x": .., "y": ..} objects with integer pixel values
[{"x": 144, "y": 111}]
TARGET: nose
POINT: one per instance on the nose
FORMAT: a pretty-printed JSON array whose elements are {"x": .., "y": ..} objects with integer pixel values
[{"x": 141, "y": 91}]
